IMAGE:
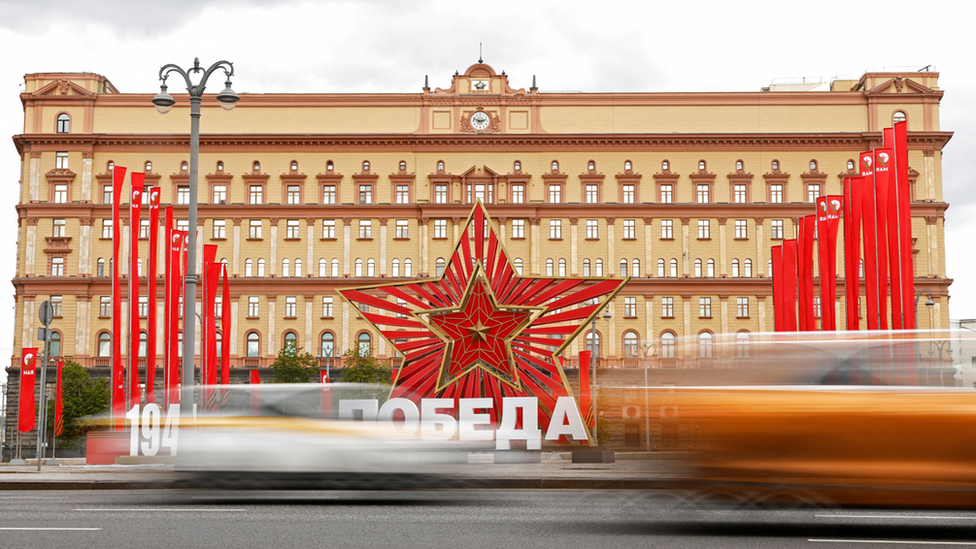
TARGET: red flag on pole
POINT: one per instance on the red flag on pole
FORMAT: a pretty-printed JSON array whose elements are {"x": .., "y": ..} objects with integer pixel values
[
  {"x": 27, "y": 407},
  {"x": 225, "y": 331},
  {"x": 177, "y": 243},
  {"x": 586, "y": 398},
  {"x": 789, "y": 285},
  {"x": 828, "y": 218},
  {"x": 152, "y": 289},
  {"x": 59, "y": 404},
  {"x": 903, "y": 198},
  {"x": 213, "y": 278},
  {"x": 118, "y": 371},
  {"x": 135, "y": 326},
  {"x": 167, "y": 302},
  {"x": 852, "y": 244},
  {"x": 805, "y": 243},
  {"x": 883, "y": 166},
  {"x": 875, "y": 261},
  {"x": 208, "y": 351},
  {"x": 779, "y": 308}
]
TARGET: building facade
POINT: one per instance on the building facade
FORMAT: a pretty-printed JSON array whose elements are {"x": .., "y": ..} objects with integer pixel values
[{"x": 307, "y": 193}]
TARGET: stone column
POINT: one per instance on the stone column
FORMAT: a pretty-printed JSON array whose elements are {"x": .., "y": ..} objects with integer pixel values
[
  {"x": 273, "y": 268},
  {"x": 574, "y": 245},
  {"x": 722, "y": 232},
  {"x": 28, "y": 334},
  {"x": 724, "y": 308},
  {"x": 534, "y": 245},
  {"x": 309, "y": 304},
  {"x": 346, "y": 244},
  {"x": 761, "y": 299},
  {"x": 310, "y": 250},
  {"x": 383, "y": 222},
  {"x": 85, "y": 246},
  {"x": 424, "y": 263},
  {"x": 83, "y": 324},
  {"x": 688, "y": 339},
  {"x": 30, "y": 253},
  {"x": 501, "y": 229},
  {"x": 685, "y": 247},
  {"x": 649, "y": 336},
  {"x": 928, "y": 173},
  {"x": 760, "y": 266},
  {"x": 932, "y": 238},
  {"x": 236, "y": 264},
  {"x": 345, "y": 327},
  {"x": 612, "y": 265},
  {"x": 648, "y": 255},
  {"x": 86, "y": 176},
  {"x": 235, "y": 326},
  {"x": 34, "y": 182},
  {"x": 272, "y": 335}
]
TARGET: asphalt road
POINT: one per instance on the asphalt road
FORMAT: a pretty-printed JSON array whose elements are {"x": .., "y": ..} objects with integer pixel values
[{"x": 481, "y": 518}]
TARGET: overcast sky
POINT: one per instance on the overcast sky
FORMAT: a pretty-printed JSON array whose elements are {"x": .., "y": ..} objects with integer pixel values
[{"x": 388, "y": 46}]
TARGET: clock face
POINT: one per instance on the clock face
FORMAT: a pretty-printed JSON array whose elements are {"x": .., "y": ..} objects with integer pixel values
[{"x": 480, "y": 120}]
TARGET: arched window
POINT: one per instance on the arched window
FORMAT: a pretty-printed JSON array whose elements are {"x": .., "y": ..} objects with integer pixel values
[
  {"x": 256, "y": 167},
  {"x": 294, "y": 165},
  {"x": 899, "y": 116},
  {"x": 591, "y": 165},
  {"x": 747, "y": 272},
  {"x": 284, "y": 267},
  {"x": 665, "y": 165},
  {"x": 813, "y": 165},
  {"x": 549, "y": 267},
  {"x": 439, "y": 266},
  {"x": 631, "y": 345},
  {"x": 586, "y": 267},
  {"x": 329, "y": 166},
  {"x": 365, "y": 166},
  {"x": 599, "y": 267},
  {"x": 298, "y": 267},
  {"x": 735, "y": 268},
  {"x": 219, "y": 337},
  {"x": 260, "y": 268},
  {"x": 705, "y": 345},
  {"x": 253, "y": 344},
  {"x": 365, "y": 342},
  {"x": 517, "y": 166},
  {"x": 395, "y": 270},
  {"x": 359, "y": 268},
  {"x": 148, "y": 166},
  {"x": 184, "y": 166},
  {"x": 335, "y": 268},
  {"x": 323, "y": 268},
  {"x": 710, "y": 268},
  {"x": 220, "y": 165},
  {"x": 55, "y": 347},
  {"x": 104, "y": 344},
  {"x": 742, "y": 342},
  {"x": 370, "y": 267},
  {"x": 774, "y": 165},
  {"x": 440, "y": 165},
  {"x": 100, "y": 267},
  {"x": 64, "y": 123},
  {"x": 248, "y": 268},
  {"x": 698, "y": 268},
  {"x": 562, "y": 267},
  {"x": 518, "y": 265},
  {"x": 738, "y": 165},
  {"x": 660, "y": 269},
  {"x": 555, "y": 166},
  {"x": 701, "y": 165},
  {"x": 627, "y": 166},
  {"x": 667, "y": 345},
  {"x": 407, "y": 267},
  {"x": 593, "y": 343},
  {"x": 291, "y": 343},
  {"x": 850, "y": 164},
  {"x": 327, "y": 344},
  {"x": 143, "y": 338},
  {"x": 635, "y": 268},
  {"x": 110, "y": 166},
  {"x": 403, "y": 166},
  {"x": 674, "y": 268},
  {"x": 623, "y": 267}
]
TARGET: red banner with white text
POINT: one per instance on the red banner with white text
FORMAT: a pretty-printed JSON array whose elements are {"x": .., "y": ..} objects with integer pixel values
[
  {"x": 27, "y": 407},
  {"x": 118, "y": 370}
]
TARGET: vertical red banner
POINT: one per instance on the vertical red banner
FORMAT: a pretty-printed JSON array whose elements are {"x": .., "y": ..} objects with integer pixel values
[
  {"x": 883, "y": 172},
  {"x": 789, "y": 285},
  {"x": 903, "y": 206},
  {"x": 779, "y": 309},
  {"x": 27, "y": 406},
  {"x": 805, "y": 244},
  {"x": 208, "y": 353},
  {"x": 118, "y": 371},
  {"x": 168, "y": 284},
  {"x": 135, "y": 325},
  {"x": 586, "y": 397},
  {"x": 177, "y": 243},
  {"x": 59, "y": 403},
  {"x": 828, "y": 219},
  {"x": 213, "y": 279},
  {"x": 326, "y": 392},
  {"x": 225, "y": 330},
  {"x": 852, "y": 245},
  {"x": 151, "y": 322}
]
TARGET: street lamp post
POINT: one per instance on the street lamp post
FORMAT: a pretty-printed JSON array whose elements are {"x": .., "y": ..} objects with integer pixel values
[
  {"x": 928, "y": 303},
  {"x": 164, "y": 102},
  {"x": 594, "y": 386},
  {"x": 646, "y": 349}
]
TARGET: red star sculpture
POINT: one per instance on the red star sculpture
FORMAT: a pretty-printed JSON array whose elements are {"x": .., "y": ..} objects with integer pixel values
[{"x": 481, "y": 329}]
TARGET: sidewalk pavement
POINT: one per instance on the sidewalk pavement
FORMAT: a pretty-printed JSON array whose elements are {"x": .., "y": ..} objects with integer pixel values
[{"x": 555, "y": 471}]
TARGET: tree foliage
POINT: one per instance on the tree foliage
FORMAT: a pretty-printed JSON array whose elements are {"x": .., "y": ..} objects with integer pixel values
[
  {"x": 83, "y": 397},
  {"x": 361, "y": 367},
  {"x": 294, "y": 366}
]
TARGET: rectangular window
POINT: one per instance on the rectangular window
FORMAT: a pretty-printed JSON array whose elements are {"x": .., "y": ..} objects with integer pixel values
[
  {"x": 813, "y": 193},
  {"x": 58, "y": 229},
  {"x": 292, "y": 229},
  {"x": 253, "y": 306},
  {"x": 630, "y": 307},
  {"x": 183, "y": 225},
  {"x": 667, "y": 194},
  {"x": 56, "y": 302},
  {"x": 220, "y": 194},
  {"x": 403, "y": 194},
  {"x": 143, "y": 306},
  {"x": 143, "y": 229},
  {"x": 327, "y": 307},
  {"x": 629, "y": 194},
  {"x": 106, "y": 194},
  {"x": 219, "y": 229},
  {"x": 329, "y": 194},
  {"x": 667, "y": 307},
  {"x": 555, "y": 229},
  {"x": 776, "y": 194},
  {"x": 630, "y": 231},
  {"x": 555, "y": 194},
  {"x": 256, "y": 194},
  {"x": 741, "y": 229},
  {"x": 667, "y": 229},
  {"x": 365, "y": 194},
  {"x": 61, "y": 160},
  {"x": 183, "y": 194},
  {"x": 402, "y": 228},
  {"x": 328, "y": 229},
  {"x": 592, "y": 229},
  {"x": 293, "y": 194},
  {"x": 291, "y": 306},
  {"x": 776, "y": 229},
  {"x": 742, "y": 307},
  {"x": 440, "y": 228},
  {"x": 703, "y": 194},
  {"x": 739, "y": 194},
  {"x": 592, "y": 194},
  {"x": 816, "y": 307},
  {"x": 365, "y": 228},
  {"x": 705, "y": 307},
  {"x": 518, "y": 194},
  {"x": 107, "y": 228},
  {"x": 254, "y": 229},
  {"x": 105, "y": 306},
  {"x": 440, "y": 194},
  {"x": 518, "y": 228},
  {"x": 60, "y": 194},
  {"x": 704, "y": 229}
]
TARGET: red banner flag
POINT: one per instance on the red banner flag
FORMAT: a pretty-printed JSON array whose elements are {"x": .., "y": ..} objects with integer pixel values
[
  {"x": 903, "y": 218},
  {"x": 151, "y": 291},
  {"x": 167, "y": 302},
  {"x": 828, "y": 218},
  {"x": 135, "y": 326},
  {"x": 212, "y": 280},
  {"x": 852, "y": 246},
  {"x": 789, "y": 285},
  {"x": 59, "y": 403},
  {"x": 177, "y": 243},
  {"x": 27, "y": 408},
  {"x": 586, "y": 398},
  {"x": 225, "y": 331},
  {"x": 779, "y": 309},
  {"x": 804, "y": 245},
  {"x": 875, "y": 258},
  {"x": 118, "y": 371}
]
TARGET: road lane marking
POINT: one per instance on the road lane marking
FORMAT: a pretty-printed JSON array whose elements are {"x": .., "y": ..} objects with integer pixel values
[
  {"x": 145, "y": 510},
  {"x": 931, "y": 517},
  {"x": 891, "y": 542},
  {"x": 50, "y": 529}
]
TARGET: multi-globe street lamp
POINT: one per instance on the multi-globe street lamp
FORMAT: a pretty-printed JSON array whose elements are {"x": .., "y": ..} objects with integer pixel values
[{"x": 164, "y": 102}]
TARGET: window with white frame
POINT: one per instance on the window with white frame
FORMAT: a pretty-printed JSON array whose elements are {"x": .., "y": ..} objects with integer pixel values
[
  {"x": 586, "y": 267},
  {"x": 292, "y": 229},
  {"x": 293, "y": 194},
  {"x": 735, "y": 268},
  {"x": 365, "y": 228},
  {"x": 291, "y": 306},
  {"x": 776, "y": 193},
  {"x": 219, "y": 229},
  {"x": 702, "y": 194},
  {"x": 253, "y": 306},
  {"x": 704, "y": 229},
  {"x": 329, "y": 194},
  {"x": 630, "y": 230},
  {"x": 739, "y": 193},
  {"x": 592, "y": 194},
  {"x": 183, "y": 194},
  {"x": 813, "y": 193},
  {"x": 440, "y": 194},
  {"x": 776, "y": 229},
  {"x": 630, "y": 307},
  {"x": 440, "y": 228},
  {"x": 741, "y": 229},
  {"x": 60, "y": 193},
  {"x": 555, "y": 194},
  {"x": 58, "y": 228},
  {"x": 327, "y": 306},
  {"x": 107, "y": 228},
  {"x": 61, "y": 160},
  {"x": 254, "y": 229},
  {"x": 667, "y": 229},
  {"x": 256, "y": 194},
  {"x": 742, "y": 307},
  {"x": 57, "y": 266},
  {"x": 518, "y": 228},
  {"x": 328, "y": 229},
  {"x": 705, "y": 307},
  {"x": 667, "y": 307},
  {"x": 219, "y": 194},
  {"x": 629, "y": 194},
  {"x": 403, "y": 194},
  {"x": 555, "y": 229},
  {"x": 667, "y": 194},
  {"x": 402, "y": 228},
  {"x": 518, "y": 194}
]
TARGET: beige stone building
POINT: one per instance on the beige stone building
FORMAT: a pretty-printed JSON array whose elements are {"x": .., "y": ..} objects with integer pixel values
[{"x": 307, "y": 193}]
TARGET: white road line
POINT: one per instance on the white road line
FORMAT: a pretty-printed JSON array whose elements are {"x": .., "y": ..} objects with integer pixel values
[
  {"x": 51, "y": 529},
  {"x": 930, "y": 517},
  {"x": 893, "y": 542},
  {"x": 150, "y": 510}
]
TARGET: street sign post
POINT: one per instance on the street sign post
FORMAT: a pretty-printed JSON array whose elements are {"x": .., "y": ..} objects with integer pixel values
[{"x": 46, "y": 314}]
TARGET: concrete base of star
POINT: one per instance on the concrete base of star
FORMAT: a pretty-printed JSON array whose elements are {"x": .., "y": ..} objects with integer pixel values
[
  {"x": 596, "y": 454},
  {"x": 518, "y": 456}
]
